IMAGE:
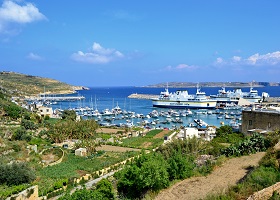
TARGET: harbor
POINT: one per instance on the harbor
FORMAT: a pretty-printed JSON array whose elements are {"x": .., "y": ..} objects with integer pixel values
[{"x": 130, "y": 106}]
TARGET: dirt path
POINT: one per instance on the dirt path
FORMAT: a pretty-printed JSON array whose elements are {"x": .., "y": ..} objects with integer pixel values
[{"x": 226, "y": 175}]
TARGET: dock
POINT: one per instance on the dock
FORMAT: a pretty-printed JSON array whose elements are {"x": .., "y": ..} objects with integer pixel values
[
  {"x": 142, "y": 96},
  {"x": 55, "y": 98}
]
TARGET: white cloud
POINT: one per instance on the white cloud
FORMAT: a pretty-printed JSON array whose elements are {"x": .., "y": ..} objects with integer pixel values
[
  {"x": 268, "y": 59},
  {"x": 13, "y": 13},
  {"x": 236, "y": 58},
  {"x": 33, "y": 56},
  {"x": 180, "y": 67},
  {"x": 219, "y": 61},
  {"x": 97, "y": 55}
]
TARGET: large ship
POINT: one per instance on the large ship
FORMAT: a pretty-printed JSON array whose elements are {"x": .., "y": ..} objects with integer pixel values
[
  {"x": 224, "y": 96},
  {"x": 182, "y": 99},
  {"x": 229, "y": 96}
]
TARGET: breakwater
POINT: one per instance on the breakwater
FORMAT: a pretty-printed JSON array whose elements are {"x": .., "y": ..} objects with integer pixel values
[
  {"x": 142, "y": 96},
  {"x": 56, "y": 98}
]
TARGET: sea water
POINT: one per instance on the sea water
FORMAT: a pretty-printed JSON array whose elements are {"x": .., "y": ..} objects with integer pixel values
[{"x": 109, "y": 97}]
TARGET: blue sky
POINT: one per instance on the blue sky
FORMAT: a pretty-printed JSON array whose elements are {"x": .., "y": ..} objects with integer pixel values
[{"x": 136, "y": 43}]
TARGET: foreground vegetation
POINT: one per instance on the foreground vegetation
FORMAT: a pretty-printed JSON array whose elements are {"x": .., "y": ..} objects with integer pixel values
[
  {"x": 265, "y": 175},
  {"x": 147, "y": 174}
]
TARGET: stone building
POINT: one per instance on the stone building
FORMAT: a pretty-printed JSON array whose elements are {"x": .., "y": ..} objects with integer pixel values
[
  {"x": 81, "y": 152},
  {"x": 45, "y": 111},
  {"x": 260, "y": 121}
]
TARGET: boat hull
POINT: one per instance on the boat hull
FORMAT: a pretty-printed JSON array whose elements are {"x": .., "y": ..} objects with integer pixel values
[{"x": 185, "y": 104}]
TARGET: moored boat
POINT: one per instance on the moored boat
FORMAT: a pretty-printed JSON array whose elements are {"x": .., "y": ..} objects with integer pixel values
[{"x": 182, "y": 99}]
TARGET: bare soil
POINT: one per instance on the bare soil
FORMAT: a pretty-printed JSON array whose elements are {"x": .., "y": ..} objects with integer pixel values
[
  {"x": 115, "y": 148},
  {"x": 108, "y": 130},
  {"x": 146, "y": 144},
  {"x": 228, "y": 174},
  {"x": 161, "y": 134},
  {"x": 49, "y": 158}
]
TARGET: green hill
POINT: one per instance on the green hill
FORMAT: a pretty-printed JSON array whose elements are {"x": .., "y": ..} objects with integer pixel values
[{"x": 25, "y": 85}]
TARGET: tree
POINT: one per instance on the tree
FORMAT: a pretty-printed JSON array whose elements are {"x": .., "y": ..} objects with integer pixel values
[
  {"x": 21, "y": 134},
  {"x": 27, "y": 124},
  {"x": 149, "y": 172},
  {"x": 223, "y": 130},
  {"x": 13, "y": 110},
  {"x": 180, "y": 166},
  {"x": 69, "y": 114},
  {"x": 105, "y": 188},
  {"x": 16, "y": 174}
]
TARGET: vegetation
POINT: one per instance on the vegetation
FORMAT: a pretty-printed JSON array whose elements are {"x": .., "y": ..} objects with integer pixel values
[
  {"x": 148, "y": 172},
  {"x": 69, "y": 129},
  {"x": 155, "y": 171},
  {"x": 259, "y": 178},
  {"x": 142, "y": 142},
  {"x": 103, "y": 191},
  {"x": 249, "y": 145},
  {"x": 21, "y": 84},
  {"x": 16, "y": 174}
]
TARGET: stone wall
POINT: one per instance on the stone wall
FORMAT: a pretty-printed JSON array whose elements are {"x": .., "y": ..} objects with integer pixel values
[
  {"x": 28, "y": 194},
  {"x": 268, "y": 121},
  {"x": 265, "y": 193}
]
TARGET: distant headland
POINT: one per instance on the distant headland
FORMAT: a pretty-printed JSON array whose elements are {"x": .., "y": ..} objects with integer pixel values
[{"x": 213, "y": 84}]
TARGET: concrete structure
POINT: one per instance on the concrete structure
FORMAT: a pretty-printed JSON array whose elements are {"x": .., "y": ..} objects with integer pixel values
[
  {"x": 45, "y": 111},
  {"x": 188, "y": 133},
  {"x": 81, "y": 152},
  {"x": 260, "y": 121}
]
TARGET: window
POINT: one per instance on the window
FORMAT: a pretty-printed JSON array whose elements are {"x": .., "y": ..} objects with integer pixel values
[
  {"x": 250, "y": 122},
  {"x": 269, "y": 125}
]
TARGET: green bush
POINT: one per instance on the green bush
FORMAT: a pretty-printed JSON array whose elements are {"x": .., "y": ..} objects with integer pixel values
[
  {"x": 21, "y": 134},
  {"x": 263, "y": 177},
  {"x": 27, "y": 124},
  {"x": 16, "y": 174},
  {"x": 13, "y": 110},
  {"x": 148, "y": 172},
  {"x": 252, "y": 144}
]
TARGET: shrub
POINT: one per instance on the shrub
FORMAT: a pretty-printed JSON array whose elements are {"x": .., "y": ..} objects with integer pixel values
[
  {"x": 16, "y": 174},
  {"x": 21, "y": 134},
  {"x": 27, "y": 124}
]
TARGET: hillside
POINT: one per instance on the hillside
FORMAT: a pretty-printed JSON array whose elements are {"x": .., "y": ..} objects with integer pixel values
[
  {"x": 212, "y": 84},
  {"x": 20, "y": 84}
]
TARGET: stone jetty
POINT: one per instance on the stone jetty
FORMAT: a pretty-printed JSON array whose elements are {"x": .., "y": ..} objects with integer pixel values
[{"x": 142, "y": 96}]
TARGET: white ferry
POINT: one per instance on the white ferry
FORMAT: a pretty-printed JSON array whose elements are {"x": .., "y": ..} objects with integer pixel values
[
  {"x": 224, "y": 96},
  {"x": 254, "y": 97},
  {"x": 229, "y": 96},
  {"x": 182, "y": 99}
]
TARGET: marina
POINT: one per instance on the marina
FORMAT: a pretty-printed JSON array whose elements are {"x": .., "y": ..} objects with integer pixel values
[{"x": 115, "y": 107}]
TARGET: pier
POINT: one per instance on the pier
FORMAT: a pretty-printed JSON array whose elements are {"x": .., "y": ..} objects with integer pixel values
[
  {"x": 142, "y": 96},
  {"x": 55, "y": 98}
]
